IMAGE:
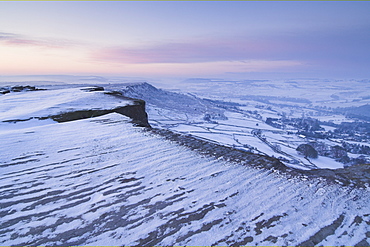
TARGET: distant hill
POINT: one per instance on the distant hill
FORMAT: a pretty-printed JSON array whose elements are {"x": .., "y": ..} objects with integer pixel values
[{"x": 164, "y": 99}]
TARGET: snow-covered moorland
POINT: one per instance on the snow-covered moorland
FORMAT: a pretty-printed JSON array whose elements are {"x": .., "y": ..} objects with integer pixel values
[
  {"x": 102, "y": 181},
  {"x": 267, "y": 117}
]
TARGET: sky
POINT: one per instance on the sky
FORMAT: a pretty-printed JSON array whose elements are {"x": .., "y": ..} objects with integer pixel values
[{"x": 189, "y": 39}]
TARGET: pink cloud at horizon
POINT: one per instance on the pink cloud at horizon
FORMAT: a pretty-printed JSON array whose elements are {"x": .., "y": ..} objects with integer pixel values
[
  {"x": 12, "y": 39},
  {"x": 133, "y": 37},
  {"x": 37, "y": 56},
  {"x": 201, "y": 50},
  {"x": 195, "y": 57}
]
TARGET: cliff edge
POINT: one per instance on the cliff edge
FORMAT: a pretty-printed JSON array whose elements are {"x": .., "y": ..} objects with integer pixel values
[{"x": 69, "y": 104}]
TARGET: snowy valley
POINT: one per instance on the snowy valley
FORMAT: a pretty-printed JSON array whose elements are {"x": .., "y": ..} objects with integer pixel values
[
  {"x": 209, "y": 162},
  {"x": 274, "y": 121}
]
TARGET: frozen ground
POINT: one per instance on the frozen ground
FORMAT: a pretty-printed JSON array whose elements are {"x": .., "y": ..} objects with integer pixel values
[
  {"x": 102, "y": 181},
  {"x": 332, "y": 93},
  {"x": 22, "y": 106},
  {"x": 235, "y": 113}
]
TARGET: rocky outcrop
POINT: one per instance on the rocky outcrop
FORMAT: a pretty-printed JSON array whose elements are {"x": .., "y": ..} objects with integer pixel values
[
  {"x": 100, "y": 181},
  {"x": 358, "y": 176},
  {"x": 5, "y": 90},
  {"x": 223, "y": 152},
  {"x": 135, "y": 111}
]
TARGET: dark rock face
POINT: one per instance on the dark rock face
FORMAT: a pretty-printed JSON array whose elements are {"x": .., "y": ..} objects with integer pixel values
[
  {"x": 75, "y": 115},
  {"x": 5, "y": 90},
  {"x": 136, "y": 112},
  {"x": 93, "y": 89}
]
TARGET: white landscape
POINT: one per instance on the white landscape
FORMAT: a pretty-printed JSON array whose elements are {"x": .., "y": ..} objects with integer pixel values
[
  {"x": 184, "y": 123},
  {"x": 104, "y": 180}
]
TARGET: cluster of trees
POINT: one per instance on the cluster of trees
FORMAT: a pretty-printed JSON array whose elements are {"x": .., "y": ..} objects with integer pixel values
[
  {"x": 356, "y": 148},
  {"x": 274, "y": 122},
  {"x": 305, "y": 124},
  {"x": 311, "y": 127},
  {"x": 337, "y": 152},
  {"x": 307, "y": 151},
  {"x": 353, "y": 128}
]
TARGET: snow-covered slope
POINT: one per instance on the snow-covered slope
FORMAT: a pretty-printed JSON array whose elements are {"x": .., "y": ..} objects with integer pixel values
[
  {"x": 102, "y": 181},
  {"x": 185, "y": 105},
  {"x": 263, "y": 117},
  {"x": 66, "y": 104},
  {"x": 26, "y": 105}
]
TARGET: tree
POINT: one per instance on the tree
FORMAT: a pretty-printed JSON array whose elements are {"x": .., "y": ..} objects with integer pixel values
[
  {"x": 307, "y": 150},
  {"x": 337, "y": 152}
]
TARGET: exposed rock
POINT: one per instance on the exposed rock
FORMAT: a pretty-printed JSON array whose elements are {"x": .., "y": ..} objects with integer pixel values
[
  {"x": 75, "y": 115},
  {"x": 116, "y": 93},
  {"x": 93, "y": 89},
  {"x": 136, "y": 112},
  {"x": 5, "y": 90},
  {"x": 223, "y": 152},
  {"x": 323, "y": 233},
  {"x": 358, "y": 176},
  {"x": 94, "y": 104}
]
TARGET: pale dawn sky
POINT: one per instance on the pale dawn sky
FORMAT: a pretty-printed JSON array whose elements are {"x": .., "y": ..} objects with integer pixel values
[{"x": 190, "y": 38}]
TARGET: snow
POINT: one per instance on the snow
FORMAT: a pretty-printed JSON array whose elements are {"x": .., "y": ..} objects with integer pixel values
[
  {"x": 238, "y": 119},
  {"x": 25, "y": 105},
  {"x": 359, "y": 143},
  {"x": 114, "y": 184},
  {"x": 336, "y": 119},
  {"x": 102, "y": 181},
  {"x": 185, "y": 128},
  {"x": 326, "y": 162},
  {"x": 328, "y": 128},
  {"x": 237, "y": 131},
  {"x": 259, "y": 100},
  {"x": 5, "y": 126}
]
